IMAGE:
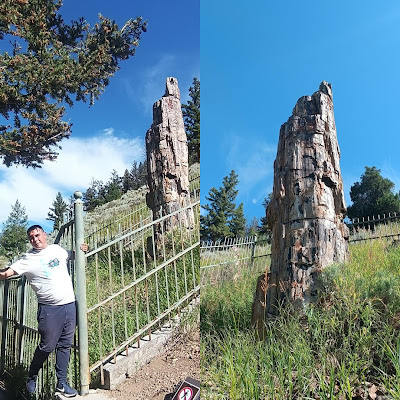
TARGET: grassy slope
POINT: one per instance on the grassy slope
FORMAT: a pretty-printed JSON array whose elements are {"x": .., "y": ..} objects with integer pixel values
[
  {"x": 345, "y": 347},
  {"x": 129, "y": 202}
]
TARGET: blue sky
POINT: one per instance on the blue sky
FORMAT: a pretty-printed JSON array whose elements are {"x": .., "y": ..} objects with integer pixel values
[
  {"x": 110, "y": 134},
  {"x": 259, "y": 57}
]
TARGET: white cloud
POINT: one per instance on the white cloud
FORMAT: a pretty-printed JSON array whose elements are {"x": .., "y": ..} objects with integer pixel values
[
  {"x": 80, "y": 160},
  {"x": 27, "y": 187},
  {"x": 93, "y": 157},
  {"x": 108, "y": 131}
]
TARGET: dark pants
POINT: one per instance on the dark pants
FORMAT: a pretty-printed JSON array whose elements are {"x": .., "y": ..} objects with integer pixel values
[{"x": 56, "y": 328}]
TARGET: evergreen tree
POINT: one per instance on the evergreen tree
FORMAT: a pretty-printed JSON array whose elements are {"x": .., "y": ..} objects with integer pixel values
[
  {"x": 373, "y": 195},
  {"x": 222, "y": 218},
  {"x": 214, "y": 225},
  {"x": 113, "y": 188},
  {"x": 56, "y": 213},
  {"x": 98, "y": 193},
  {"x": 237, "y": 224},
  {"x": 70, "y": 207},
  {"x": 138, "y": 174},
  {"x": 13, "y": 240},
  {"x": 134, "y": 172},
  {"x": 191, "y": 115},
  {"x": 89, "y": 197},
  {"x": 127, "y": 181},
  {"x": 52, "y": 64},
  {"x": 94, "y": 195}
]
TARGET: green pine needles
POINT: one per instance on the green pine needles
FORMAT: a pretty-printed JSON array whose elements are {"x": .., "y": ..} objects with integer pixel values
[{"x": 49, "y": 65}]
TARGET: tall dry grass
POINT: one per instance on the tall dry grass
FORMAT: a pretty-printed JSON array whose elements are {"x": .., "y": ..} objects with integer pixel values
[{"x": 345, "y": 347}]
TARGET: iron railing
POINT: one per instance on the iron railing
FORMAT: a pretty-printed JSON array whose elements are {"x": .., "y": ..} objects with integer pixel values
[
  {"x": 233, "y": 249},
  {"x": 238, "y": 250},
  {"x": 116, "y": 225},
  {"x": 374, "y": 227},
  {"x": 136, "y": 281}
]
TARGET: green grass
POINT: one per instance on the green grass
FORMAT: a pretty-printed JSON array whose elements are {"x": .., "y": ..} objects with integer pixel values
[{"x": 336, "y": 350}]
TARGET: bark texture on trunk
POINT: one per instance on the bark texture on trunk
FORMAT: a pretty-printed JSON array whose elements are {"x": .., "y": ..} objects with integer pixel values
[
  {"x": 167, "y": 161},
  {"x": 307, "y": 209}
]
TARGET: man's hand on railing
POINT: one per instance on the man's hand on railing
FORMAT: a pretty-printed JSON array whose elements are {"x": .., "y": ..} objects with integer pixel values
[
  {"x": 6, "y": 272},
  {"x": 84, "y": 247}
]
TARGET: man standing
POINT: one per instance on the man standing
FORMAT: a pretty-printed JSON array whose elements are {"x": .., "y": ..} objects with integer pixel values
[{"x": 45, "y": 267}]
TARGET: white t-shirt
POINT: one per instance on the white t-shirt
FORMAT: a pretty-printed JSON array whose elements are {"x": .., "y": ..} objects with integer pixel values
[{"x": 46, "y": 270}]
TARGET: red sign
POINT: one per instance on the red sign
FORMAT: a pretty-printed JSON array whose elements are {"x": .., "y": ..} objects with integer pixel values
[
  {"x": 185, "y": 394},
  {"x": 188, "y": 390}
]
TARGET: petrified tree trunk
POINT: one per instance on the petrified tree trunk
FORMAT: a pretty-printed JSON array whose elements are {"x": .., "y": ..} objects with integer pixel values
[
  {"x": 167, "y": 162},
  {"x": 307, "y": 209}
]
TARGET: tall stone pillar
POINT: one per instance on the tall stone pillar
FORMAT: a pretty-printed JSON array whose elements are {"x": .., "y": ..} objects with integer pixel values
[
  {"x": 167, "y": 161},
  {"x": 307, "y": 209}
]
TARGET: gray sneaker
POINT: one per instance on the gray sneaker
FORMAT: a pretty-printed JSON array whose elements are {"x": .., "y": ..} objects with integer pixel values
[
  {"x": 65, "y": 389},
  {"x": 31, "y": 384}
]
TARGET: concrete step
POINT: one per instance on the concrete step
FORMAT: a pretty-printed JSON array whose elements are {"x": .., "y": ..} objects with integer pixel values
[{"x": 93, "y": 395}]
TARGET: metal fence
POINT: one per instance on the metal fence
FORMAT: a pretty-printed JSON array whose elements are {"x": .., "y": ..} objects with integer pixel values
[
  {"x": 117, "y": 225},
  {"x": 127, "y": 285},
  {"x": 375, "y": 227},
  {"x": 135, "y": 282},
  {"x": 242, "y": 250},
  {"x": 233, "y": 250}
]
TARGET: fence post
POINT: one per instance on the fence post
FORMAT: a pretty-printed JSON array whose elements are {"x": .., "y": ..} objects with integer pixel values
[
  {"x": 253, "y": 251},
  {"x": 21, "y": 308},
  {"x": 4, "y": 326},
  {"x": 83, "y": 343}
]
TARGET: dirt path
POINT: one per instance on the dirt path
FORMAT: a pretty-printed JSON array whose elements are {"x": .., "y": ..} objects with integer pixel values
[{"x": 159, "y": 379}]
